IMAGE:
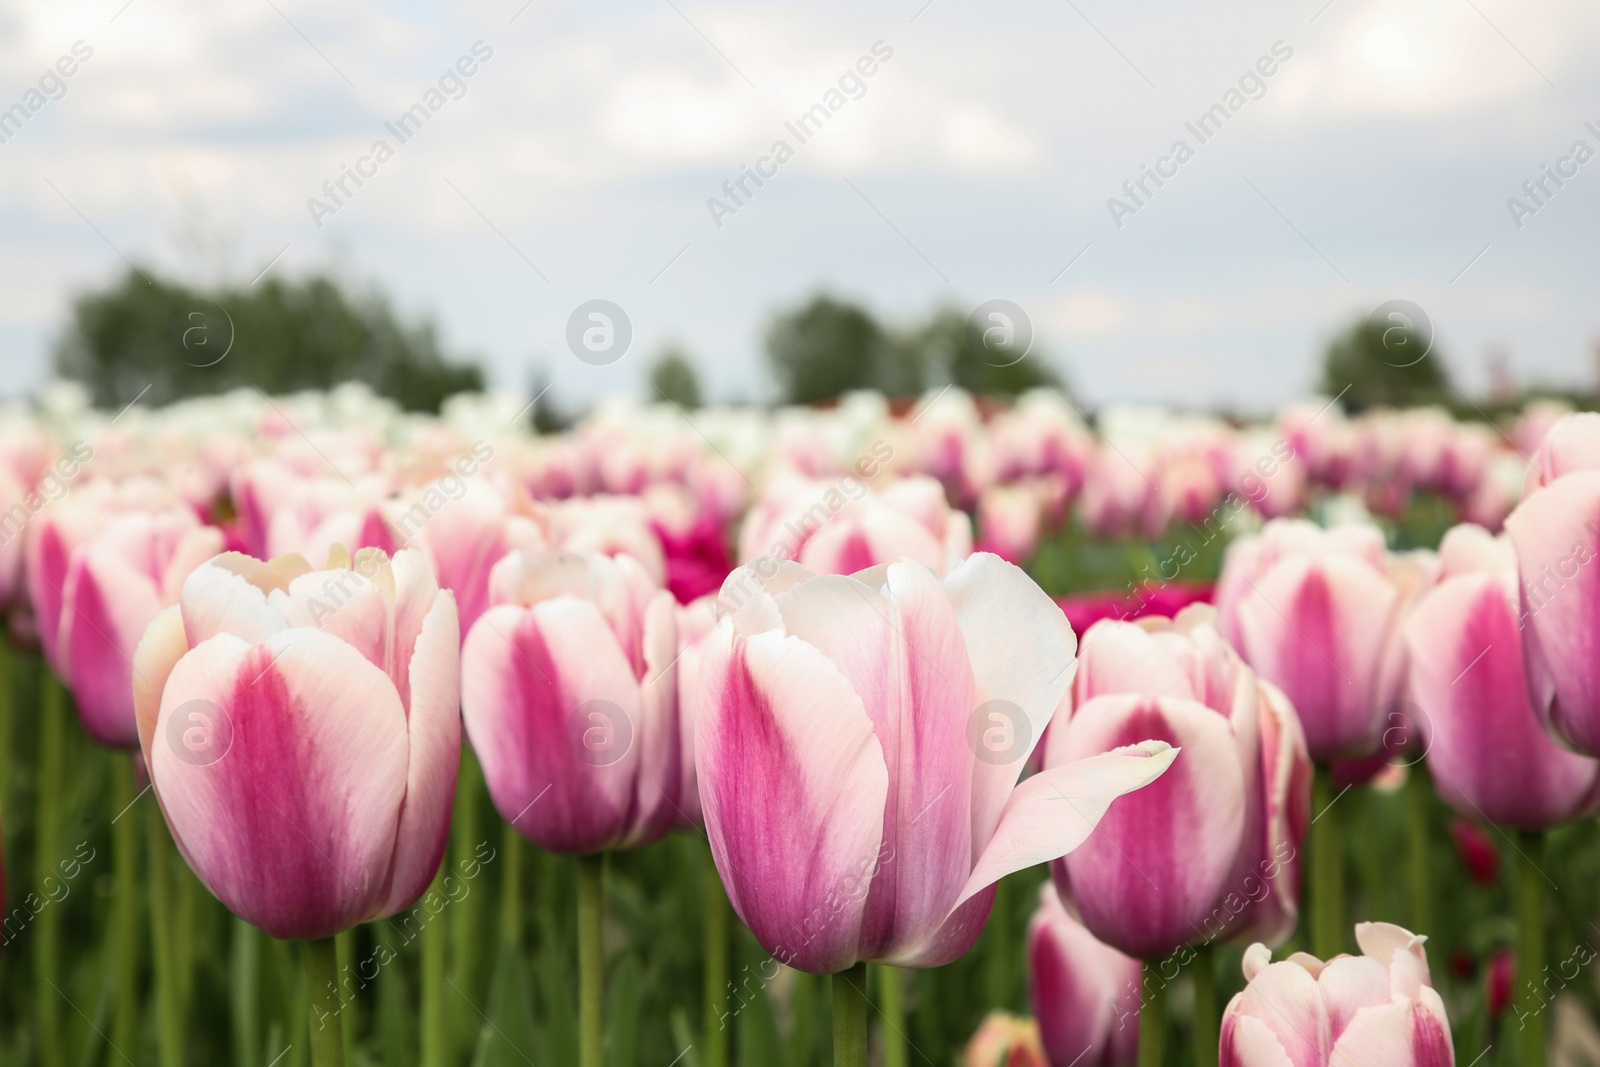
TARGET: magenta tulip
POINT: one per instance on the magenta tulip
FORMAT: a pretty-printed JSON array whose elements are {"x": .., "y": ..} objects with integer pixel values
[
  {"x": 1489, "y": 755},
  {"x": 301, "y": 732},
  {"x": 1378, "y": 1009},
  {"x": 570, "y": 700},
  {"x": 1084, "y": 992},
  {"x": 876, "y": 724},
  {"x": 1211, "y": 849}
]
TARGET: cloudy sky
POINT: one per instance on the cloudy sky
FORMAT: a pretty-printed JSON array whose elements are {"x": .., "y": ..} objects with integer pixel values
[{"x": 580, "y": 159}]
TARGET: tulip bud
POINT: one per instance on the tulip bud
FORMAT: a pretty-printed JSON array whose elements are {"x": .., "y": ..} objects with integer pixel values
[
  {"x": 1085, "y": 993},
  {"x": 1378, "y": 1008},
  {"x": 1005, "y": 1041},
  {"x": 1476, "y": 850},
  {"x": 1499, "y": 981}
]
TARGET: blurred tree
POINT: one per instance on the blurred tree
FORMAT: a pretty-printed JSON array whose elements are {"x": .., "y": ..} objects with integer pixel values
[
  {"x": 951, "y": 346},
  {"x": 829, "y": 347},
  {"x": 275, "y": 335},
  {"x": 1384, "y": 362},
  {"x": 672, "y": 377}
]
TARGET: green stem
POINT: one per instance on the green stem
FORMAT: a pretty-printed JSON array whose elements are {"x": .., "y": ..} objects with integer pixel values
[
  {"x": 48, "y": 994},
  {"x": 717, "y": 909},
  {"x": 892, "y": 1003},
  {"x": 125, "y": 911},
  {"x": 245, "y": 966},
  {"x": 435, "y": 1051},
  {"x": 7, "y": 718},
  {"x": 466, "y": 918},
  {"x": 998, "y": 960},
  {"x": 591, "y": 963},
  {"x": 345, "y": 943},
  {"x": 1529, "y": 891},
  {"x": 322, "y": 993},
  {"x": 511, "y": 886},
  {"x": 1327, "y": 869},
  {"x": 850, "y": 1017},
  {"x": 1207, "y": 1019},
  {"x": 169, "y": 1015},
  {"x": 1152, "y": 1015},
  {"x": 1419, "y": 799}
]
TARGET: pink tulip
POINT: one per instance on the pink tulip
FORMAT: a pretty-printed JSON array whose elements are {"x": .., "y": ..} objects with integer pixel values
[
  {"x": 876, "y": 725},
  {"x": 1489, "y": 755},
  {"x": 1084, "y": 992},
  {"x": 1212, "y": 848},
  {"x": 1315, "y": 612},
  {"x": 1378, "y": 1009},
  {"x": 466, "y": 537},
  {"x": 1005, "y": 1041},
  {"x": 1009, "y": 521},
  {"x": 301, "y": 733},
  {"x": 1556, "y": 537},
  {"x": 116, "y": 583},
  {"x": 843, "y": 527},
  {"x": 571, "y": 702},
  {"x": 611, "y": 526},
  {"x": 1571, "y": 444}
]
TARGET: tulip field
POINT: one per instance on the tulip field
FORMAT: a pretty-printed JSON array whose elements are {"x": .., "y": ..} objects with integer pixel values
[{"x": 950, "y": 731}]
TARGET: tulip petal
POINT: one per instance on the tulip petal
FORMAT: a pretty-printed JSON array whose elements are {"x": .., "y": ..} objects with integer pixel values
[
  {"x": 1054, "y": 811},
  {"x": 793, "y": 784},
  {"x": 1317, "y": 629},
  {"x": 1556, "y": 536},
  {"x": 105, "y": 611},
  {"x": 1284, "y": 997},
  {"x": 904, "y": 655},
  {"x": 294, "y": 825},
  {"x": 159, "y": 650},
  {"x": 228, "y": 594},
  {"x": 1154, "y": 876},
  {"x": 1248, "y": 1042},
  {"x": 1386, "y": 1036},
  {"x": 1489, "y": 754},
  {"x": 527, "y": 674},
  {"x": 433, "y": 724},
  {"x": 1021, "y": 648}
]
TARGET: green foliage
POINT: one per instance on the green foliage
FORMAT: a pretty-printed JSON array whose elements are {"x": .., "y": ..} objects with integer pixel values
[
  {"x": 672, "y": 378},
  {"x": 828, "y": 347},
  {"x": 277, "y": 336},
  {"x": 1375, "y": 363},
  {"x": 954, "y": 350}
]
